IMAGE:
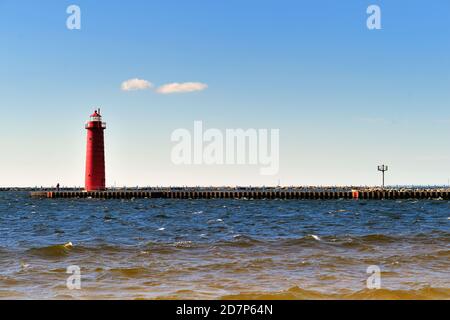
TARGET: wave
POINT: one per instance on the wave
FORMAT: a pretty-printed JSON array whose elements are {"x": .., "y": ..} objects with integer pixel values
[
  {"x": 314, "y": 241},
  {"x": 63, "y": 250},
  {"x": 378, "y": 238},
  {"x": 361, "y": 243},
  {"x": 296, "y": 293},
  {"x": 240, "y": 241},
  {"x": 130, "y": 272},
  {"x": 58, "y": 250}
]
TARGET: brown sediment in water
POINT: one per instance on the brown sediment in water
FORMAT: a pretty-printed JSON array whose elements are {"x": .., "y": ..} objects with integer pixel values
[{"x": 296, "y": 293}]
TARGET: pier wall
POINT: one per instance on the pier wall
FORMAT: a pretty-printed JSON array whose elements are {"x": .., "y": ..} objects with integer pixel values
[{"x": 249, "y": 194}]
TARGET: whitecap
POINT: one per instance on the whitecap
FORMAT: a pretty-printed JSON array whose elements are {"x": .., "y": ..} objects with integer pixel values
[
  {"x": 68, "y": 245},
  {"x": 161, "y": 229},
  {"x": 315, "y": 237}
]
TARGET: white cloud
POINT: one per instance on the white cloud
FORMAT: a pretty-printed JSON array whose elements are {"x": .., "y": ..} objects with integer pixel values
[
  {"x": 181, "y": 87},
  {"x": 136, "y": 84}
]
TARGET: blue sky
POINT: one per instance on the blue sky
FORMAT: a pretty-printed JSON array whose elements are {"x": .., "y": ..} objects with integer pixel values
[{"x": 345, "y": 98}]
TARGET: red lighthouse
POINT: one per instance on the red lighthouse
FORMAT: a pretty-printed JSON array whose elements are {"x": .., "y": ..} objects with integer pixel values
[{"x": 95, "y": 153}]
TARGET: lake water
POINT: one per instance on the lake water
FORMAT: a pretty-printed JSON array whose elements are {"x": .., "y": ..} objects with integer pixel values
[{"x": 223, "y": 249}]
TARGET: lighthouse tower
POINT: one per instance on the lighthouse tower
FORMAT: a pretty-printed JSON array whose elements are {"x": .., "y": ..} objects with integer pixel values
[{"x": 95, "y": 153}]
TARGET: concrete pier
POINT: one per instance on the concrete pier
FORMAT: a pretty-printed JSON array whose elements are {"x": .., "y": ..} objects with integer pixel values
[{"x": 254, "y": 193}]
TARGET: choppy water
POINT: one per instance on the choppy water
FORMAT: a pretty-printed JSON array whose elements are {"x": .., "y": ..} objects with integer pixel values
[{"x": 162, "y": 248}]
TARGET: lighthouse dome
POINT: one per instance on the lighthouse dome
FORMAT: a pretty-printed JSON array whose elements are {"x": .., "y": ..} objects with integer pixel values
[
  {"x": 96, "y": 113},
  {"x": 96, "y": 116}
]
